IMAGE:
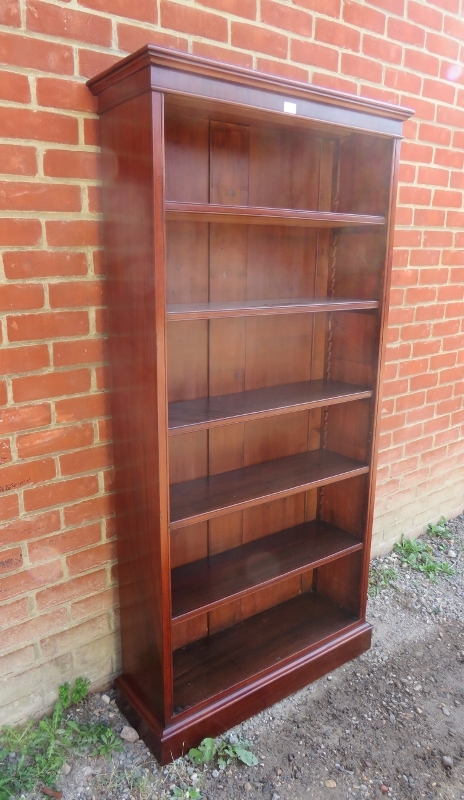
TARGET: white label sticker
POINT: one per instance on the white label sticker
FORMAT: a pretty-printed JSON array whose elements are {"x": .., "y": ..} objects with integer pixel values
[{"x": 289, "y": 108}]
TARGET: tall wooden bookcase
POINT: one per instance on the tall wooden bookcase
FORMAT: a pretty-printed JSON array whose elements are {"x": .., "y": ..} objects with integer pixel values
[{"x": 248, "y": 226}]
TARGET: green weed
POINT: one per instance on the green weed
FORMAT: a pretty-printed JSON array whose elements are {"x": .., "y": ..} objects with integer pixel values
[
  {"x": 41, "y": 748},
  {"x": 441, "y": 530},
  {"x": 380, "y": 577},
  {"x": 419, "y": 556},
  {"x": 224, "y": 752}
]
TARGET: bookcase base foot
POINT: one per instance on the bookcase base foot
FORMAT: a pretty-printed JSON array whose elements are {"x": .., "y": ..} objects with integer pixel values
[{"x": 218, "y": 715}]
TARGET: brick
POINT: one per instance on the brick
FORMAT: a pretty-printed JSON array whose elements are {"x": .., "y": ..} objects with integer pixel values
[
  {"x": 29, "y": 580},
  {"x": 22, "y": 530},
  {"x": 406, "y": 32},
  {"x": 18, "y": 160},
  {"x": 443, "y": 360},
  {"x": 363, "y": 16},
  {"x": 450, "y": 116},
  {"x": 18, "y": 661},
  {"x": 90, "y": 606},
  {"x": 446, "y": 328},
  {"x": 23, "y": 196},
  {"x": 439, "y": 393},
  {"x": 438, "y": 238},
  {"x": 433, "y": 175},
  {"x": 3, "y": 394},
  {"x": 410, "y": 151},
  {"x": 286, "y": 18},
  {"x": 420, "y": 445},
  {"x": 52, "y": 546},
  {"x": 331, "y": 8},
  {"x": 25, "y": 417},
  {"x": 53, "y": 384},
  {"x": 414, "y": 195},
  {"x": 103, "y": 378},
  {"x": 382, "y": 49},
  {"x": 10, "y": 14},
  {"x": 337, "y": 35},
  {"x": 105, "y": 433},
  {"x": 9, "y": 507},
  {"x": 424, "y": 15},
  {"x": 92, "y": 62},
  {"x": 431, "y": 312},
  {"x": 132, "y": 37},
  {"x": 15, "y": 88},
  {"x": 453, "y": 27},
  {"x": 405, "y": 277},
  {"x": 43, "y": 264},
  {"x": 441, "y": 197},
  {"x": 72, "y": 589},
  {"x": 91, "y": 558},
  {"x": 449, "y": 158},
  {"x": 47, "y": 325},
  {"x": 14, "y": 297},
  {"x": 424, "y": 257},
  {"x": 89, "y": 460},
  {"x": 55, "y": 440},
  {"x": 442, "y": 45},
  {"x": 68, "y": 23},
  {"x": 455, "y": 219},
  {"x": 433, "y": 276},
  {"x": 405, "y": 238},
  {"x": 34, "y": 628},
  {"x": 361, "y": 67},
  {"x": 186, "y": 19},
  {"x": 5, "y": 451},
  {"x": 10, "y": 559},
  {"x": 71, "y": 164},
  {"x": 79, "y": 233},
  {"x": 282, "y": 69},
  {"x": 35, "y": 53},
  {"x": 421, "y": 62},
  {"x": 261, "y": 40},
  {"x": 144, "y": 10},
  {"x": 19, "y": 232},
  {"x": 448, "y": 293},
  {"x": 94, "y": 200},
  {"x": 411, "y": 400},
  {"x": 72, "y": 294},
  {"x": 423, "y": 109},
  {"x": 14, "y": 612},
  {"x": 314, "y": 55},
  {"x": 83, "y": 351},
  {"x": 239, "y": 8},
  {"x": 435, "y": 134},
  {"x": 60, "y": 492},
  {"x": 438, "y": 90},
  {"x": 23, "y": 359},
  {"x": 16, "y": 476},
  {"x": 42, "y": 125},
  {"x": 429, "y": 217},
  {"x": 88, "y": 510},
  {"x": 416, "y": 331},
  {"x": 69, "y": 94},
  {"x": 77, "y": 408},
  {"x": 413, "y": 366}
]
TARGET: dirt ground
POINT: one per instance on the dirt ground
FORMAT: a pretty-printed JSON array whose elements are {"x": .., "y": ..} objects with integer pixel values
[{"x": 390, "y": 724}]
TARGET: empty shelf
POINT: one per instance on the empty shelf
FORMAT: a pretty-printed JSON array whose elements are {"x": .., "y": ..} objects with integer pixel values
[{"x": 256, "y": 308}]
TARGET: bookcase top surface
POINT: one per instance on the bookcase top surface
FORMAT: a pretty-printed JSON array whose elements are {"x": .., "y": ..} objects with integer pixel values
[{"x": 195, "y": 78}]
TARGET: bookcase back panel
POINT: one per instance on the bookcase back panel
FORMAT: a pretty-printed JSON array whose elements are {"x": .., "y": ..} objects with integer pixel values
[
  {"x": 354, "y": 348},
  {"x": 340, "y": 581},
  {"x": 359, "y": 260},
  {"x": 189, "y": 544},
  {"x": 344, "y": 504},
  {"x": 186, "y": 142},
  {"x": 187, "y": 262},
  {"x": 349, "y": 429},
  {"x": 187, "y": 357},
  {"x": 365, "y": 164}
]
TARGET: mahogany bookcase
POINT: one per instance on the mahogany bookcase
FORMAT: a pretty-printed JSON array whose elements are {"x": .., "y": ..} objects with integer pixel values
[{"x": 247, "y": 225}]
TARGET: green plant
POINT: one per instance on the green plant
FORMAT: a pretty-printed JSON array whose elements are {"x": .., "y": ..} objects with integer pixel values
[
  {"x": 419, "y": 556},
  {"x": 191, "y": 793},
  {"x": 380, "y": 577},
  {"x": 225, "y": 752},
  {"x": 41, "y": 748},
  {"x": 440, "y": 530}
]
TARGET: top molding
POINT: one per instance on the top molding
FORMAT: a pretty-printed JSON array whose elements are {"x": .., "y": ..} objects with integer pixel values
[{"x": 177, "y": 73}]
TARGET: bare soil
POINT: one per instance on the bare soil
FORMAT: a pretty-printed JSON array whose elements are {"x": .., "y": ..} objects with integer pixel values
[{"x": 389, "y": 724}]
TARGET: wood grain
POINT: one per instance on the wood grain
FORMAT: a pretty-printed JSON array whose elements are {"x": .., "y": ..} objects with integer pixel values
[{"x": 253, "y": 308}]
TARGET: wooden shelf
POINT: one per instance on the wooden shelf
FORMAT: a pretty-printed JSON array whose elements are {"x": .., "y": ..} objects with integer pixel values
[
  {"x": 255, "y": 308},
  {"x": 210, "y": 582},
  {"x": 213, "y": 496},
  {"x": 216, "y": 663},
  {"x": 254, "y": 215},
  {"x": 209, "y": 412}
]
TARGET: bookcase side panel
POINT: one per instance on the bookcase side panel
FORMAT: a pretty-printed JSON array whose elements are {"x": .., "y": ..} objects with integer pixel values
[{"x": 132, "y": 148}]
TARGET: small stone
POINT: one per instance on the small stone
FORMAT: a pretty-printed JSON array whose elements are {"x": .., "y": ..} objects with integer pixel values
[
  {"x": 447, "y": 761},
  {"x": 418, "y": 687},
  {"x": 452, "y": 554},
  {"x": 446, "y": 711},
  {"x": 215, "y": 773},
  {"x": 392, "y": 719},
  {"x": 384, "y": 789},
  {"x": 247, "y": 786},
  {"x": 275, "y": 796},
  {"x": 331, "y": 784},
  {"x": 65, "y": 769},
  {"x": 129, "y": 734},
  {"x": 106, "y": 699}
]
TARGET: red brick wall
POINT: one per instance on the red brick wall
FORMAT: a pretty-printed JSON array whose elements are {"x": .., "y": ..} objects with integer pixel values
[{"x": 57, "y": 587}]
